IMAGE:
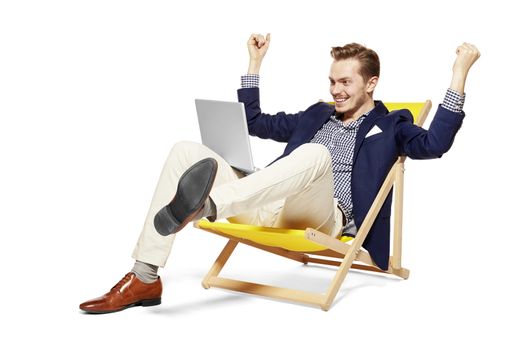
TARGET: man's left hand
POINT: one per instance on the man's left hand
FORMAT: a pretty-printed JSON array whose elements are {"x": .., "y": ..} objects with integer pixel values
[{"x": 467, "y": 55}]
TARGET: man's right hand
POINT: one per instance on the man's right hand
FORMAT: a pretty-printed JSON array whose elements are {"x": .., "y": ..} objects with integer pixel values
[{"x": 257, "y": 47}]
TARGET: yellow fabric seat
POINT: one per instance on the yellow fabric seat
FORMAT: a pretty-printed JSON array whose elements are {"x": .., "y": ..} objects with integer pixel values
[
  {"x": 288, "y": 239},
  {"x": 414, "y": 107}
]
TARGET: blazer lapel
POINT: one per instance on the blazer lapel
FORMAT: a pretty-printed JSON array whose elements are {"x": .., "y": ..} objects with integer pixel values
[
  {"x": 367, "y": 124},
  {"x": 318, "y": 122}
]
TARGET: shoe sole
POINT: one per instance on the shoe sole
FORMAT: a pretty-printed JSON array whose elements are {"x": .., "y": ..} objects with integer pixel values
[
  {"x": 165, "y": 221},
  {"x": 145, "y": 303}
]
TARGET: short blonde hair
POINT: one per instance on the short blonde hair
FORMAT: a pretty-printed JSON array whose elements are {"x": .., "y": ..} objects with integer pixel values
[{"x": 368, "y": 58}]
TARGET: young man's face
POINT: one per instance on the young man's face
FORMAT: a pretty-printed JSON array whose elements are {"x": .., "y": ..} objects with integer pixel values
[{"x": 348, "y": 88}]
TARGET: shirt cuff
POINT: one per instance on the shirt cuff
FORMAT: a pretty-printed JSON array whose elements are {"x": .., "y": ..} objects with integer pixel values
[
  {"x": 250, "y": 81},
  {"x": 454, "y": 101}
]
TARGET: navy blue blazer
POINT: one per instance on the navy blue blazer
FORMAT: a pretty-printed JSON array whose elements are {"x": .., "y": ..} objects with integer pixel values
[{"x": 373, "y": 156}]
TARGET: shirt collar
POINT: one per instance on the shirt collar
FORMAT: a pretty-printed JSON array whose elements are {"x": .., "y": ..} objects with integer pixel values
[{"x": 352, "y": 125}]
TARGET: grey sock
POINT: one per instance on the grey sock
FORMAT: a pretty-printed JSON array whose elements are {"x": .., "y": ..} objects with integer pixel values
[
  {"x": 147, "y": 273},
  {"x": 209, "y": 211}
]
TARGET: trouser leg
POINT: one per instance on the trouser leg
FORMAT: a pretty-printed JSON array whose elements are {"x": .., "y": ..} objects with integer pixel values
[
  {"x": 294, "y": 192},
  {"x": 152, "y": 247},
  {"x": 299, "y": 187}
]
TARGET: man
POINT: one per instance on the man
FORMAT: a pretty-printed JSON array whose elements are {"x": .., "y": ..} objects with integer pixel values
[{"x": 335, "y": 161}]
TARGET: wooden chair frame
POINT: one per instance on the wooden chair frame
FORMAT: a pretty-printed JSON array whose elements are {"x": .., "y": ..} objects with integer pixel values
[{"x": 341, "y": 254}]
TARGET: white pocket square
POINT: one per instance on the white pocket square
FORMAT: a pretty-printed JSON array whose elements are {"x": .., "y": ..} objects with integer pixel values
[{"x": 375, "y": 130}]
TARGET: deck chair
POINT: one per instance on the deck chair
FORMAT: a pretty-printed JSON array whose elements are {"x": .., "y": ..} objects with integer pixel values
[{"x": 312, "y": 246}]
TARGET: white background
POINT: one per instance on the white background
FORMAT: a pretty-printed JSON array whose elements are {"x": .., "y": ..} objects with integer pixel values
[{"x": 93, "y": 94}]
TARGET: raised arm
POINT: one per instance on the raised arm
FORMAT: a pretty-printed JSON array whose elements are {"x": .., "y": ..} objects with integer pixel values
[
  {"x": 278, "y": 127},
  {"x": 419, "y": 143}
]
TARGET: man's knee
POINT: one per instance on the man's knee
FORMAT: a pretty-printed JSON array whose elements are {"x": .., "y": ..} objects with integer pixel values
[
  {"x": 184, "y": 151},
  {"x": 181, "y": 146}
]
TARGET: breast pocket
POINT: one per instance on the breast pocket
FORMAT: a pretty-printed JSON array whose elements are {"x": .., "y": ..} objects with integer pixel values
[{"x": 373, "y": 138}]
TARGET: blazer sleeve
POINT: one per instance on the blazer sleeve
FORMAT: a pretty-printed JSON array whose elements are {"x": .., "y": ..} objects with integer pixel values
[
  {"x": 278, "y": 127},
  {"x": 418, "y": 143}
]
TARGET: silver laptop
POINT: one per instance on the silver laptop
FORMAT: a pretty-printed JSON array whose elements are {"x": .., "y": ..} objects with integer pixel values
[{"x": 224, "y": 129}]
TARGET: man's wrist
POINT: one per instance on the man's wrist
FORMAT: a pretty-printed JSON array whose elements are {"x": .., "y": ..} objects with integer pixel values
[
  {"x": 254, "y": 66},
  {"x": 458, "y": 82}
]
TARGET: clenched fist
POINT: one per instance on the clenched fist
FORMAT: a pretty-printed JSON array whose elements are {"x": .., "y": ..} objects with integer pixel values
[
  {"x": 467, "y": 54},
  {"x": 257, "y": 47}
]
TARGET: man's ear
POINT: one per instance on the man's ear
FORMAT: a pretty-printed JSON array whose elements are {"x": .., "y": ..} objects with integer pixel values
[{"x": 372, "y": 83}]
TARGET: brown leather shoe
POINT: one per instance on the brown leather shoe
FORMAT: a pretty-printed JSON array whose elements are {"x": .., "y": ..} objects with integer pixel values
[{"x": 128, "y": 292}]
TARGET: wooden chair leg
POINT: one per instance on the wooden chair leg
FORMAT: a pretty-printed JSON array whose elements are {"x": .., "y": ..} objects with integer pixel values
[
  {"x": 398, "y": 216},
  {"x": 339, "y": 277},
  {"x": 219, "y": 262}
]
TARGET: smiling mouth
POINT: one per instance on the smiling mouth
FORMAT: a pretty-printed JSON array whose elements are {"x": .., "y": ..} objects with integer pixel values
[{"x": 340, "y": 100}]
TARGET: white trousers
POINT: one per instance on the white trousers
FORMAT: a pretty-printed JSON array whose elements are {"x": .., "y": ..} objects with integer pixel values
[{"x": 295, "y": 192}]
